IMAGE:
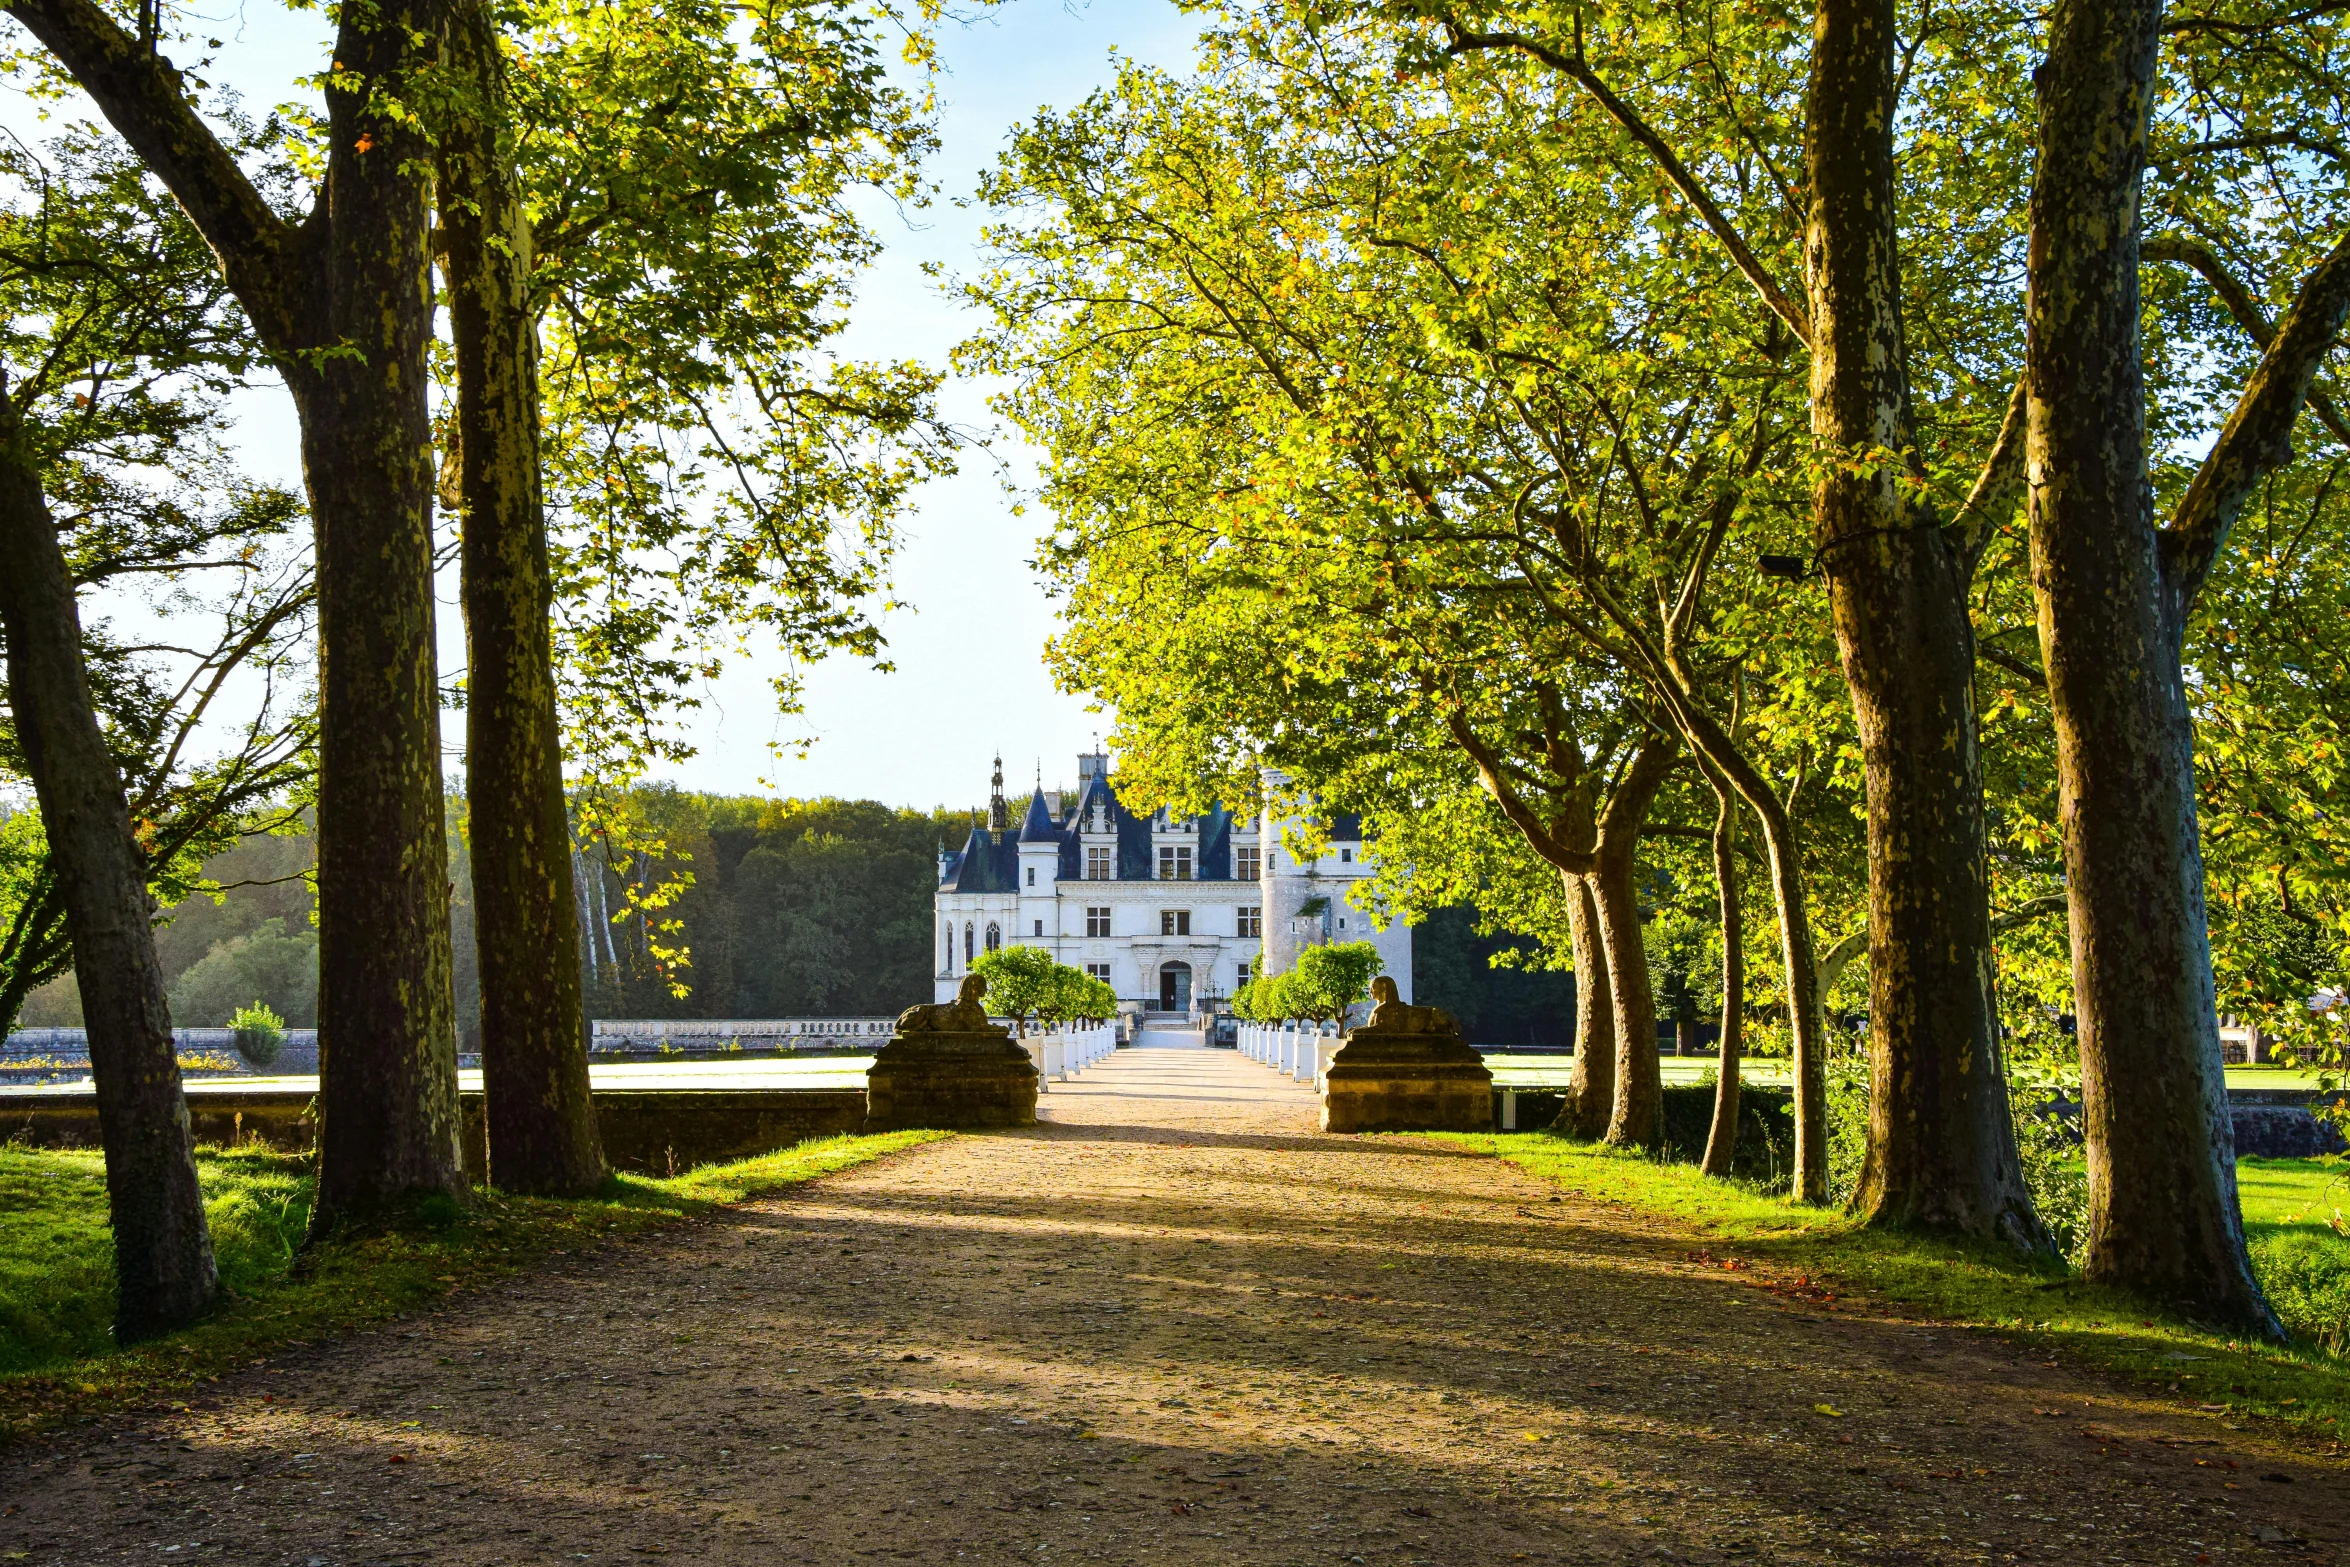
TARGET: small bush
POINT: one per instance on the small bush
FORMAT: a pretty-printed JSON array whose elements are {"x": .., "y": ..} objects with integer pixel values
[
  {"x": 2306, "y": 1273},
  {"x": 260, "y": 1033}
]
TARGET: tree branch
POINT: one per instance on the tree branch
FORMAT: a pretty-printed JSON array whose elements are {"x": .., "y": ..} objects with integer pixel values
[
  {"x": 2258, "y": 435},
  {"x": 1578, "y": 69},
  {"x": 1996, "y": 487},
  {"x": 2246, "y": 309},
  {"x": 143, "y": 98}
]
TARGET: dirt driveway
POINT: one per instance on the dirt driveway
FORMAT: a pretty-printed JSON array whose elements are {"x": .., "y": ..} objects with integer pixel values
[{"x": 1171, "y": 1325}]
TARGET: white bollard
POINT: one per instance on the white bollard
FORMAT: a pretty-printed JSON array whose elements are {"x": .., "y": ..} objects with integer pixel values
[{"x": 1055, "y": 1061}]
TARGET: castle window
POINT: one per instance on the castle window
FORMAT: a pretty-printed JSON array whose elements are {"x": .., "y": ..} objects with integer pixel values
[
  {"x": 1040, "y": 927},
  {"x": 1241, "y": 978},
  {"x": 1174, "y": 922},
  {"x": 1251, "y": 922},
  {"x": 1097, "y": 922},
  {"x": 950, "y": 963},
  {"x": 1174, "y": 862},
  {"x": 1244, "y": 863},
  {"x": 1097, "y": 864},
  {"x": 1100, "y": 971},
  {"x": 995, "y": 937},
  {"x": 1346, "y": 856},
  {"x": 1031, "y": 875},
  {"x": 967, "y": 939}
]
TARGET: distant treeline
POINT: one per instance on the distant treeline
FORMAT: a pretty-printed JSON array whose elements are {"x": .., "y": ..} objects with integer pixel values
[{"x": 793, "y": 908}]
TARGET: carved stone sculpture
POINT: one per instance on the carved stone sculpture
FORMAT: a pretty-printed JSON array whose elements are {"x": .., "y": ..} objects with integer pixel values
[
  {"x": 1406, "y": 1069},
  {"x": 949, "y": 1067}
]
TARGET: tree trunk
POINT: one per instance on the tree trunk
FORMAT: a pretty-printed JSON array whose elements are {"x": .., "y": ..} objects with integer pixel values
[
  {"x": 162, "y": 1245},
  {"x": 343, "y": 303},
  {"x": 542, "y": 1123},
  {"x": 1942, "y": 1148},
  {"x": 1721, "y": 1141},
  {"x": 1591, "y": 1082},
  {"x": 386, "y": 1016},
  {"x": 1636, "y": 1118},
  {"x": 2163, "y": 1213}
]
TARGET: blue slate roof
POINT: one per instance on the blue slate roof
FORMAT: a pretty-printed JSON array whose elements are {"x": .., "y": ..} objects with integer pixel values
[{"x": 990, "y": 862}]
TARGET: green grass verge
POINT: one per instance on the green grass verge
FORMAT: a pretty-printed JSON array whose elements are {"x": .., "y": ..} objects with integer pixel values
[
  {"x": 1825, "y": 1261},
  {"x": 57, "y": 1355}
]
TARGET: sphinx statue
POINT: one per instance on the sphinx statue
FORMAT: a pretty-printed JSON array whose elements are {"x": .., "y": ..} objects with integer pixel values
[
  {"x": 966, "y": 1014},
  {"x": 1406, "y": 1069},
  {"x": 1391, "y": 1014}
]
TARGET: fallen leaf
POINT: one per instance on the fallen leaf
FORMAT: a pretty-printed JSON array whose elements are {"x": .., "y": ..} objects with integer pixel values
[{"x": 1830, "y": 1410}]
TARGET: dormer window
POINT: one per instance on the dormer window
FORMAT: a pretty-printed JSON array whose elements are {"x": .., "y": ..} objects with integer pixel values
[
  {"x": 1346, "y": 856},
  {"x": 1174, "y": 862},
  {"x": 1098, "y": 864}
]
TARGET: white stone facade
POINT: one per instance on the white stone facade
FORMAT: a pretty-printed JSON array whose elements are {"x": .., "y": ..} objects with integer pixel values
[{"x": 1174, "y": 913}]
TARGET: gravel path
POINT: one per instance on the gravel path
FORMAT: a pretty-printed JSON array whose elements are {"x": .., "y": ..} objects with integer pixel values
[{"x": 1171, "y": 1325}]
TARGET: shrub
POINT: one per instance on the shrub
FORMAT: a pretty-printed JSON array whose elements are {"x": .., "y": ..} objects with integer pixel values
[
  {"x": 2306, "y": 1273},
  {"x": 260, "y": 1033}
]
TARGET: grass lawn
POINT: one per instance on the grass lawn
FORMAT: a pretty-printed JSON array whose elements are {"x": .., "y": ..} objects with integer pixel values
[
  {"x": 57, "y": 1354},
  {"x": 1830, "y": 1263}
]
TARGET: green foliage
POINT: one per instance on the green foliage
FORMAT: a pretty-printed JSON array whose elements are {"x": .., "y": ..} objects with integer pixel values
[
  {"x": 119, "y": 349},
  {"x": 57, "y": 1358},
  {"x": 1021, "y": 982},
  {"x": 1075, "y": 996},
  {"x": 2306, "y": 1275},
  {"x": 267, "y": 966},
  {"x": 694, "y": 175},
  {"x": 1330, "y": 978},
  {"x": 260, "y": 1033}
]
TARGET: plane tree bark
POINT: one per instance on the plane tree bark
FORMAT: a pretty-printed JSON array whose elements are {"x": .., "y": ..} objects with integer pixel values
[
  {"x": 341, "y": 300},
  {"x": 162, "y": 1244},
  {"x": 2114, "y": 594},
  {"x": 1595, "y": 851},
  {"x": 543, "y": 1136},
  {"x": 1721, "y": 1140}
]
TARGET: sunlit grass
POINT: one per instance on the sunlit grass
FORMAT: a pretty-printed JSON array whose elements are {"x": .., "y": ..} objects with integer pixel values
[
  {"x": 2305, "y": 1267},
  {"x": 58, "y": 1359}
]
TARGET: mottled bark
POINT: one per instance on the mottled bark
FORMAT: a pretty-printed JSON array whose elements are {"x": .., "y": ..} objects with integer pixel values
[
  {"x": 2163, "y": 1213},
  {"x": 343, "y": 303},
  {"x": 1636, "y": 1119},
  {"x": 162, "y": 1245},
  {"x": 1721, "y": 1140},
  {"x": 386, "y": 1015},
  {"x": 1591, "y": 1082},
  {"x": 542, "y": 1124},
  {"x": 1942, "y": 1146}
]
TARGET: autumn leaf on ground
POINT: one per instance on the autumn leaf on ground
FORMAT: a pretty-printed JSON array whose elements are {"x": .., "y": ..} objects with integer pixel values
[{"x": 1830, "y": 1410}]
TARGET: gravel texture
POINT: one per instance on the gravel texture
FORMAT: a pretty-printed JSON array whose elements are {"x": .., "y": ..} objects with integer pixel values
[{"x": 1172, "y": 1324}]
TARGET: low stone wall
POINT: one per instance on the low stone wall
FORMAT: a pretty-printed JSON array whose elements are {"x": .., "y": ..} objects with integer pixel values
[{"x": 645, "y": 1131}]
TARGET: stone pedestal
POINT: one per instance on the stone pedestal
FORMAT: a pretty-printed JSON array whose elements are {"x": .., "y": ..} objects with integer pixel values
[
  {"x": 951, "y": 1080},
  {"x": 1406, "y": 1070}
]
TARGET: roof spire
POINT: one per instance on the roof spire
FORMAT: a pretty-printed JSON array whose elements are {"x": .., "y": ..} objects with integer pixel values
[{"x": 999, "y": 815}]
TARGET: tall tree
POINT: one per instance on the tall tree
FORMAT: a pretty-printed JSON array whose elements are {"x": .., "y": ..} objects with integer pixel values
[
  {"x": 1942, "y": 1148},
  {"x": 542, "y": 1127},
  {"x": 117, "y": 345},
  {"x": 340, "y": 298},
  {"x": 2115, "y": 594}
]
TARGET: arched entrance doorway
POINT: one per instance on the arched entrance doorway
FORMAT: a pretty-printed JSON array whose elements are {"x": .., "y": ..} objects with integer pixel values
[{"x": 1174, "y": 987}]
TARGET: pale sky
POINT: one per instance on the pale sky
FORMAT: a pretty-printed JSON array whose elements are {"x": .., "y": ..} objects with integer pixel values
[
  {"x": 970, "y": 676},
  {"x": 969, "y": 679}
]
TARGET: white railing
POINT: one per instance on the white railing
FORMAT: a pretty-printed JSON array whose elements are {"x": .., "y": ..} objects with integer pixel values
[
  {"x": 1062, "y": 1053},
  {"x": 1298, "y": 1051},
  {"x": 781, "y": 1033}
]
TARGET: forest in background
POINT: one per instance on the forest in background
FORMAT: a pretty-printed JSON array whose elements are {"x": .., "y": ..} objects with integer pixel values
[{"x": 793, "y": 908}]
